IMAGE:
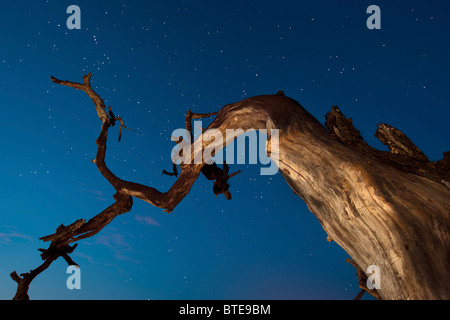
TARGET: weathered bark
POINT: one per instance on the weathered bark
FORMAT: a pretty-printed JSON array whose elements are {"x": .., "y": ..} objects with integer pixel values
[
  {"x": 389, "y": 209},
  {"x": 386, "y": 209}
]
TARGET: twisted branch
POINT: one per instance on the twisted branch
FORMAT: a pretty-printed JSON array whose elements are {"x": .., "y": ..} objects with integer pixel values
[{"x": 80, "y": 229}]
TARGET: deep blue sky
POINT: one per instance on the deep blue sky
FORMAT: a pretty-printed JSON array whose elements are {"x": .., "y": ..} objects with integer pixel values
[{"x": 150, "y": 61}]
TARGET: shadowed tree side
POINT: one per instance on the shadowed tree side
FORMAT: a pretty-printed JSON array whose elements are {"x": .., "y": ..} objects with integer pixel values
[{"x": 390, "y": 209}]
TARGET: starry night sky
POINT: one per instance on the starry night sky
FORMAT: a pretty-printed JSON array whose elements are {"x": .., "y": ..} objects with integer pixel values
[{"x": 150, "y": 61}]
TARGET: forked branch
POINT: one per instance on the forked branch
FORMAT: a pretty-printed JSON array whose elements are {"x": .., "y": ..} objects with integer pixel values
[{"x": 81, "y": 229}]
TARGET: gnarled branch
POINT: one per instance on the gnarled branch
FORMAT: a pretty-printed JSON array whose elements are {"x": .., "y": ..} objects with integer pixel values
[{"x": 80, "y": 229}]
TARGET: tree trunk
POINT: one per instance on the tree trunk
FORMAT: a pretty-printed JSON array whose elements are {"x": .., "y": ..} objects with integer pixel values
[
  {"x": 386, "y": 209},
  {"x": 389, "y": 209}
]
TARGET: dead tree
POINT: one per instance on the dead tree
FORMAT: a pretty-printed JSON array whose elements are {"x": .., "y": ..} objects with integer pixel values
[{"x": 390, "y": 209}]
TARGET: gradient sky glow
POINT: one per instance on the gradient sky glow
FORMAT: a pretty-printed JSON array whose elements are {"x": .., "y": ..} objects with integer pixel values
[{"x": 150, "y": 61}]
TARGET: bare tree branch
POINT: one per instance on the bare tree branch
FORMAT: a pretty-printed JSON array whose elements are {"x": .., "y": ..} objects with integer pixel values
[
  {"x": 80, "y": 229},
  {"x": 362, "y": 282}
]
